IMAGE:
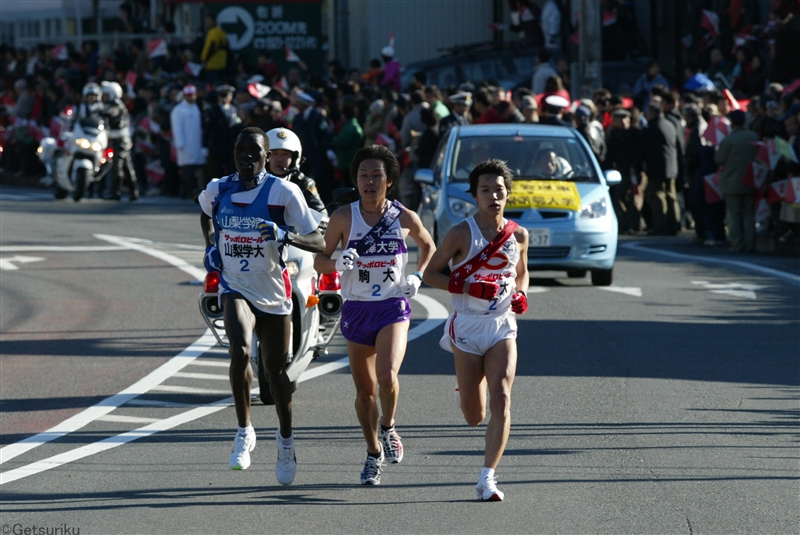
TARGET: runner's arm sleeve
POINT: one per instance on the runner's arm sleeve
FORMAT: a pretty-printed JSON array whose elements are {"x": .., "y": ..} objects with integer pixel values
[{"x": 208, "y": 196}]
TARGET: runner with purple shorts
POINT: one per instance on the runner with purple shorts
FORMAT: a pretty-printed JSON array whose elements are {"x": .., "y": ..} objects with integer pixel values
[{"x": 376, "y": 289}]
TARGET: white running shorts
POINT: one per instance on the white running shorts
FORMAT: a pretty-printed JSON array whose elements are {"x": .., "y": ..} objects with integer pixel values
[{"x": 477, "y": 334}]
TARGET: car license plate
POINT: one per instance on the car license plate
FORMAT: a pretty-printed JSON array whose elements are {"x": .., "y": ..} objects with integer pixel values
[{"x": 539, "y": 237}]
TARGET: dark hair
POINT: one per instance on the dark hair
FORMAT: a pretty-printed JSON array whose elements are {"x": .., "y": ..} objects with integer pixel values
[
  {"x": 543, "y": 55},
  {"x": 553, "y": 84},
  {"x": 377, "y": 152},
  {"x": 417, "y": 97},
  {"x": 428, "y": 117},
  {"x": 257, "y": 132},
  {"x": 490, "y": 167}
]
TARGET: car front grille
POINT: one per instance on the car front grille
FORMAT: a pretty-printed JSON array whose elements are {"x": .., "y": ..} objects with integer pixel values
[{"x": 548, "y": 252}]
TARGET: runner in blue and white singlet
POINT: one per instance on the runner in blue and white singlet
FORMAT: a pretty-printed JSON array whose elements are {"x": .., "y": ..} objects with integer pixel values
[{"x": 380, "y": 271}]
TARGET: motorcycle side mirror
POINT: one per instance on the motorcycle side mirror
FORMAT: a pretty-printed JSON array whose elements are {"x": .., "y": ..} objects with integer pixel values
[
  {"x": 344, "y": 196},
  {"x": 67, "y": 113}
]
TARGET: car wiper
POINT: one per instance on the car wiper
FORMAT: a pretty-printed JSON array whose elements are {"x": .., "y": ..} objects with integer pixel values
[{"x": 580, "y": 179}]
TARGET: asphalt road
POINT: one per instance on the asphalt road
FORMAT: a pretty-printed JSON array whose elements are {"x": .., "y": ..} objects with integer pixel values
[{"x": 667, "y": 403}]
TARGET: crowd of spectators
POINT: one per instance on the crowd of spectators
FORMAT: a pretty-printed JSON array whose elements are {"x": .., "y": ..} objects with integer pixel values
[{"x": 662, "y": 136}]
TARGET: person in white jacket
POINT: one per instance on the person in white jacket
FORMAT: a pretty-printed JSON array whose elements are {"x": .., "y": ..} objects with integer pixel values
[
  {"x": 187, "y": 135},
  {"x": 551, "y": 26}
]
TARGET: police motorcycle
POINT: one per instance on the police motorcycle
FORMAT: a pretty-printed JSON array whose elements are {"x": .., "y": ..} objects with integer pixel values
[
  {"x": 80, "y": 154},
  {"x": 316, "y": 299}
]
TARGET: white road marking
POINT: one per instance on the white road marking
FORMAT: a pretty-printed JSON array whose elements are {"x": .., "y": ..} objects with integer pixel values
[
  {"x": 156, "y": 403},
  {"x": 7, "y": 264},
  {"x": 436, "y": 316},
  {"x": 736, "y": 289},
  {"x": 188, "y": 390},
  {"x": 536, "y": 289},
  {"x": 787, "y": 277},
  {"x": 214, "y": 363},
  {"x": 127, "y": 419},
  {"x": 636, "y": 292},
  {"x": 211, "y": 376}
]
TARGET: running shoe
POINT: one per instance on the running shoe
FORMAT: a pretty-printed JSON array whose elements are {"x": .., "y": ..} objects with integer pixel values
[
  {"x": 486, "y": 490},
  {"x": 286, "y": 467},
  {"x": 243, "y": 444},
  {"x": 371, "y": 474},
  {"x": 391, "y": 445}
]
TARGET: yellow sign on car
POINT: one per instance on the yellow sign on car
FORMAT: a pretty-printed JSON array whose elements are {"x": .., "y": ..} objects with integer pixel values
[{"x": 557, "y": 194}]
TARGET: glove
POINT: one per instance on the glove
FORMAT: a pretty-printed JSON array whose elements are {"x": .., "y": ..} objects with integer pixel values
[
  {"x": 484, "y": 290},
  {"x": 519, "y": 303},
  {"x": 212, "y": 261},
  {"x": 271, "y": 231},
  {"x": 346, "y": 260},
  {"x": 411, "y": 286}
]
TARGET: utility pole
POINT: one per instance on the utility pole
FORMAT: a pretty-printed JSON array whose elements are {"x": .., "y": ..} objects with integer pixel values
[
  {"x": 591, "y": 49},
  {"x": 342, "y": 32}
]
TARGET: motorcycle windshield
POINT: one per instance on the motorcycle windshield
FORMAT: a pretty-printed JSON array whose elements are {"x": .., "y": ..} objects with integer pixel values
[{"x": 92, "y": 125}]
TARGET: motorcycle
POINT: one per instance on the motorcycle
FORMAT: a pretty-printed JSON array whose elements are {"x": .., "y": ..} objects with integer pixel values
[
  {"x": 79, "y": 156},
  {"x": 316, "y": 311}
]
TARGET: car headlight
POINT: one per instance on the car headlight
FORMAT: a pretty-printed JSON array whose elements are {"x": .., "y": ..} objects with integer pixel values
[
  {"x": 592, "y": 210},
  {"x": 97, "y": 147},
  {"x": 83, "y": 143},
  {"x": 462, "y": 209},
  {"x": 293, "y": 268}
]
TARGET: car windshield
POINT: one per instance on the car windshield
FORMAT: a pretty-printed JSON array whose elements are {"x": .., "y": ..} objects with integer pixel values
[{"x": 528, "y": 157}]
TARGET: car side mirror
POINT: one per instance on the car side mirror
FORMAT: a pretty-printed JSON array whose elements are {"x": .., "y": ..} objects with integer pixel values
[
  {"x": 612, "y": 177},
  {"x": 424, "y": 176}
]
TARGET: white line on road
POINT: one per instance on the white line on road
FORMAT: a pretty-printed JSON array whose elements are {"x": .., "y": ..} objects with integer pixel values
[
  {"x": 435, "y": 317},
  {"x": 213, "y": 363},
  {"x": 188, "y": 390},
  {"x": 7, "y": 264},
  {"x": 636, "y": 292},
  {"x": 59, "y": 249},
  {"x": 210, "y": 376},
  {"x": 127, "y": 419},
  {"x": 788, "y": 277}
]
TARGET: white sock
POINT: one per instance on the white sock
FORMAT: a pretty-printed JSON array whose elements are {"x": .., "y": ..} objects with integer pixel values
[
  {"x": 247, "y": 430},
  {"x": 487, "y": 473},
  {"x": 285, "y": 441}
]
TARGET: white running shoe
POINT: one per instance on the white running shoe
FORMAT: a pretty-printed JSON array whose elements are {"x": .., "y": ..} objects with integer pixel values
[
  {"x": 371, "y": 474},
  {"x": 486, "y": 490},
  {"x": 391, "y": 445},
  {"x": 243, "y": 444},
  {"x": 286, "y": 467}
]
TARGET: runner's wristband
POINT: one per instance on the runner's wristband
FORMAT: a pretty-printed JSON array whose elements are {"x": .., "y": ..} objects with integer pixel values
[
  {"x": 455, "y": 286},
  {"x": 418, "y": 274}
]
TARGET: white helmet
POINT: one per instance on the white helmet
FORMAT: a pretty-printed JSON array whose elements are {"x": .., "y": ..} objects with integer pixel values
[
  {"x": 112, "y": 89},
  {"x": 281, "y": 138},
  {"x": 91, "y": 89}
]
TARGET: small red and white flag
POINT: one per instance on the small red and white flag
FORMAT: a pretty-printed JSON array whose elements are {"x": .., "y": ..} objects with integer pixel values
[
  {"x": 718, "y": 128},
  {"x": 711, "y": 185},
  {"x": 497, "y": 27},
  {"x": 193, "y": 68},
  {"x": 283, "y": 84},
  {"x": 792, "y": 190},
  {"x": 732, "y": 102},
  {"x": 130, "y": 82},
  {"x": 145, "y": 147},
  {"x": 762, "y": 210},
  {"x": 258, "y": 90},
  {"x": 149, "y": 125},
  {"x": 710, "y": 21},
  {"x": 59, "y": 52},
  {"x": 777, "y": 191},
  {"x": 291, "y": 56},
  {"x": 156, "y": 48},
  {"x": 155, "y": 172},
  {"x": 755, "y": 175},
  {"x": 609, "y": 18}
]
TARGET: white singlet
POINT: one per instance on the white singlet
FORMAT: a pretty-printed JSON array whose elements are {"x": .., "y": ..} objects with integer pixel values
[
  {"x": 501, "y": 269},
  {"x": 378, "y": 273}
]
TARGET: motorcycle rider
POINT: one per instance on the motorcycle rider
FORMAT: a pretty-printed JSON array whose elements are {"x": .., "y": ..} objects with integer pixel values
[
  {"x": 285, "y": 158},
  {"x": 119, "y": 139},
  {"x": 91, "y": 105}
]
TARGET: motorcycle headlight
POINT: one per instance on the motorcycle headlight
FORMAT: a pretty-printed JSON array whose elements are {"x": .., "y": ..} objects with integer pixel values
[
  {"x": 97, "y": 147},
  {"x": 593, "y": 210},
  {"x": 39, "y": 150},
  {"x": 462, "y": 209},
  {"x": 293, "y": 268},
  {"x": 83, "y": 143}
]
